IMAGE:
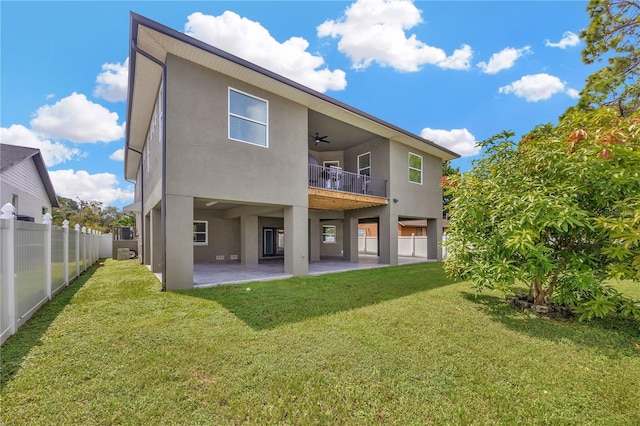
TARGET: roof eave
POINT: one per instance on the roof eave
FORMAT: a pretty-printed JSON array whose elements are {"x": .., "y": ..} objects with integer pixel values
[{"x": 46, "y": 179}]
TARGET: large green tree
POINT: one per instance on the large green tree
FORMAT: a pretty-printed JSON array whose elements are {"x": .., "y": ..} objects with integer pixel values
[
  {"x": 612, "y": 37},
  {"x": 447, "y": 171},
  {"x": 90, "y": 214},
  {"x": 558, "y": 211}
]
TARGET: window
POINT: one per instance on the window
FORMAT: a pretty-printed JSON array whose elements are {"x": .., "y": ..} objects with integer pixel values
[
  {"x": 415, "y": 168},
  {"x": 364, "y": 164},
  {"x": 328, "y": 233},
  {"x": 248, "y": 118},
  {"x": 45, "y": 210},
  {"x": 14, "y": 201},
  {"x": 200, "y": 233},
  {"x": 334, "y": 163}
]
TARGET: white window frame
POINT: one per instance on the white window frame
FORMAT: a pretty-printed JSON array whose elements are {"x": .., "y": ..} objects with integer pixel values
[
  {"x": 364, "y": 168},
  {"x": 230, "y": 114},
  {"x": 329, "y": 163},
  {"x": 326, "y": 234},
  {"x": 206, "y": 233},
  {"x": 415, "y": 169}
]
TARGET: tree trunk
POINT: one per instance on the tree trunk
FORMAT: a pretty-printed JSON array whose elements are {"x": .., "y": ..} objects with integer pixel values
[{"x": 540, "y": 296}]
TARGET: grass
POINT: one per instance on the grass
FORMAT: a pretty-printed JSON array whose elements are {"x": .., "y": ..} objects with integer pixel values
[{"x": 401, "y": 345}]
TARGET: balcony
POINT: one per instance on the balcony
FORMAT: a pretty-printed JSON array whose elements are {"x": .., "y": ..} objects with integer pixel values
[{"x": 331, "y": 188}]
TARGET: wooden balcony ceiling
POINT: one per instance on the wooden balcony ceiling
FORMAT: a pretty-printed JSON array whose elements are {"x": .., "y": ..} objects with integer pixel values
[{"x": 326, "y": 199}]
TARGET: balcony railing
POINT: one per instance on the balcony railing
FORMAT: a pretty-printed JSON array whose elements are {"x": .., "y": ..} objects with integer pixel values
[{"x": 336, "y": 179}]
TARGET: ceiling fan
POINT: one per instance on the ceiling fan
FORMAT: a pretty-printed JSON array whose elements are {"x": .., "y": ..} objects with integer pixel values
[{"x": 319, "y": 138}]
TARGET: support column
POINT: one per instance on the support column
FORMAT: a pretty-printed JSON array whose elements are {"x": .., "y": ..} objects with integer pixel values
[
  {"x": 249, "y": 240},
  {"x": 179, "y": 242},
  {"x": 155, "y": 240},
  {"x": 296, "y": 240},
  {"x": 350, "y": 238},
  {"x": 146, "y": 240},
  {"x": 434, "y": 239},
  {"x": 314, "y": 239},
  {"x": 388, "y": 238}
]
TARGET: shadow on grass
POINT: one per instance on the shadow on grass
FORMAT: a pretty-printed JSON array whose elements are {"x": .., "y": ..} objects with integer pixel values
[
  {"x": 613, "y": 337},
  {"x": 16, "y": 348},
  {"x": 270, "y": 304}
]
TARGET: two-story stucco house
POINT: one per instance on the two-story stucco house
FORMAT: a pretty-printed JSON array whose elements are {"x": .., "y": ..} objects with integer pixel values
[
  {"x": 25, "y": 182},
  {"x": 234, "y": 163}
]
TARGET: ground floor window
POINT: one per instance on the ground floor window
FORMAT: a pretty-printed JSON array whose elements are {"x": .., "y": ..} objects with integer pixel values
[
  {"x": 200, "y": 234},
  {"x": 328, "y": 233}
]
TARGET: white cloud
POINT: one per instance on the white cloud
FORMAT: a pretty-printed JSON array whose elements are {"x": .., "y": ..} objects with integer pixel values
[
  {"x": 117, "y": 155},
  {"x": 460, "y": 60},
  {"x": 251, "y": 41},
  {"x": 112, "y": 82},
  {"x": 52, "y": 152},
  {"x": 77, "y": 119},
  {"x": 569, "y": 39},
  {"x": 460, "y": 141},
  {"x": 535, "y": 87},
  {"x": 573, "y": 93},
  {"x": 374, "y": 31},
  {"x": 503, "y": 60},
  {"x": 97, "y": 187}
]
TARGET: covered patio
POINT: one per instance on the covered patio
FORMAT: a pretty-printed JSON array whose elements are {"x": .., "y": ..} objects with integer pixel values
[{"x": 212, "y": 274}]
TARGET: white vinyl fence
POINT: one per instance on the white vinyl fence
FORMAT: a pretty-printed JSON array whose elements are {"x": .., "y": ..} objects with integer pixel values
[
  {"x": 410, "y": 246},
  {"x": 37, "y": 260}
]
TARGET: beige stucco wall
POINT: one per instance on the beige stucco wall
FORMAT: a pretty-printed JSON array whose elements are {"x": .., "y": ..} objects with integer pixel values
[
  {"x": 204, "y": 162},
  {"x": 149, "y": 184},
  {"x": 379, "y": 148},
  {"x": 332, "y": 249},
  {"x": 414, "y": 200},
  {"x": 223, "y": 238}
]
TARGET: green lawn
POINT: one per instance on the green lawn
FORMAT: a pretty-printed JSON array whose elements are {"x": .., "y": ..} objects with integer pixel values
[{"x": 401, "y": 345}]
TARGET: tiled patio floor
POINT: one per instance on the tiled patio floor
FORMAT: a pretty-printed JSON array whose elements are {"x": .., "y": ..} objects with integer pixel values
[{"x": 211, "y": 274}]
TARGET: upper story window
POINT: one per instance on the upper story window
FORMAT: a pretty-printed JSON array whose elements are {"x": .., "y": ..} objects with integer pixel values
[
  {"x": 415, "y": 168},
  {"x": 331, "y": 163},
  {"x": 364, "y": 164},
  {"x": 248, "y": 118}
]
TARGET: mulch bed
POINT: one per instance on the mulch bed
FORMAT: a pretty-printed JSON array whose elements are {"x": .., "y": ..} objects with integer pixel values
[{"x": 524, "y": 303}]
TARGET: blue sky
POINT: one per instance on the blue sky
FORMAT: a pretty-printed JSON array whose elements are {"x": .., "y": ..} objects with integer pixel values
[{"x": 454, "y": 72}]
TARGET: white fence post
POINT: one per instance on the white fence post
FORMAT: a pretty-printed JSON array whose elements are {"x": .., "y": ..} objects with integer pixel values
[
  {"x": 47, "y": 255},
  {"x": 84, "y": 248},
  {"x": 65, "y": 254},
  {"x": 77, "y": 237},
  {"x": 413, "y": 245},
  {"x": 8, "y": 267}
]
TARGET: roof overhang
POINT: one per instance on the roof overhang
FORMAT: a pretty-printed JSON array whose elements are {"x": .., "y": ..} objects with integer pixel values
[
  {"x": 133, "y": 207},
  {"x": 46, "y": 179},
  {"x": 159, "y": 41}
]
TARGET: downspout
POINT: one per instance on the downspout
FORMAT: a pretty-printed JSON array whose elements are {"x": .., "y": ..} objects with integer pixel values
[
  {"x": 163, "y": 124},
  {"x": 144, "y": 253}
]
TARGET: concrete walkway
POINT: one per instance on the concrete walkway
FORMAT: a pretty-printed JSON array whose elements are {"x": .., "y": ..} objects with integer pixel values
[{"x": 212, "y": 274}]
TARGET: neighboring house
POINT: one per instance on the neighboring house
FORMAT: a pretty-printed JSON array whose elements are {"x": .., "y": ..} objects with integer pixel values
[
  {"x": 25, "y": 183},
  {"x": 233, "y": 162}
]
